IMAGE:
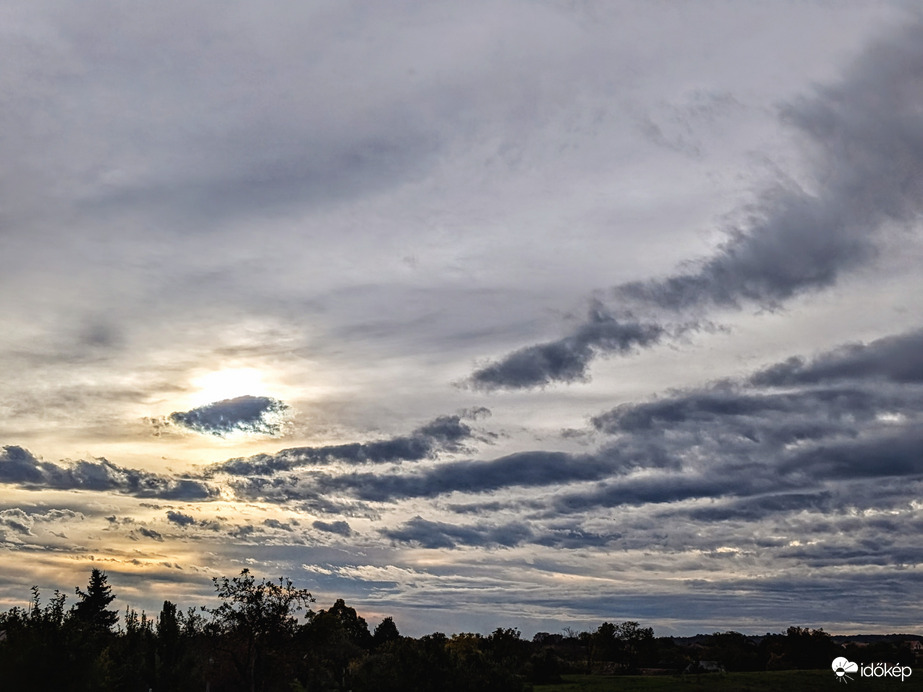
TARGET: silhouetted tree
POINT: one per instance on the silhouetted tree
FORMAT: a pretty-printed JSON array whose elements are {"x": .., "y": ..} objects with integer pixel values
[
  {"x": 133, "y": 653},
  {"x": 637, "y": 643},
  {"x": 605, "y": 642},
  {"x": 30, "y": 639},
  {"x": 733, "y": 650},
  {"x": 91, "y": 611},
  {"x": 590, "y": 644},
  {"x": 354, "y": 625},
  {"x": 333, "y": 639},
  {"x": 806, "y": 648},
  {"x": 90, "y": 636},
  {"x": 507, "y": 648},
  {"x": 256, "y": 624},
  {"x": 385, "y": 632}
]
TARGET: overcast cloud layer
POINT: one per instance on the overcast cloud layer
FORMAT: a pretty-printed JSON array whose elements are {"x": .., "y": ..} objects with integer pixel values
[{"x": 493, "y": 314}]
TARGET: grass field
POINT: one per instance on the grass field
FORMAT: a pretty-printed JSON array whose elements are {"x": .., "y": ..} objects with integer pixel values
[{"x": 774, "y": 681}]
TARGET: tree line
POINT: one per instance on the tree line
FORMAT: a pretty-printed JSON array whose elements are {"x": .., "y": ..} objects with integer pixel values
[{"x": 264, "y": 636}]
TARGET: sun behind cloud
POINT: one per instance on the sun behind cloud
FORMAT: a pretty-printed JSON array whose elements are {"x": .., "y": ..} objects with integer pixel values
[{"x": 227, "y": 383}]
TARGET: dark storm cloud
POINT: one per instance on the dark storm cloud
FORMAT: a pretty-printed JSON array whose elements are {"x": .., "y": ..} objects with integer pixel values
[
  {"x": 865, "y": 140},
  {"x": 895, "y": 358},
  {"x": 443, "y": 434},
  {"x": 567, "y": 359},
  {"x": 20, "y": 467},
  {"x": 252, "y": 414},
  {"x": 432, "y": 534}
]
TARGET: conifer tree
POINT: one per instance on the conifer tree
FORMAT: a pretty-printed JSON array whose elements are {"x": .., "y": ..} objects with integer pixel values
[{"x": 92, "y": 609}]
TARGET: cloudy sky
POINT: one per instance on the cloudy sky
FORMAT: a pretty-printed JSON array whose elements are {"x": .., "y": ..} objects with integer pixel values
[{"x": 476, "y": 314}]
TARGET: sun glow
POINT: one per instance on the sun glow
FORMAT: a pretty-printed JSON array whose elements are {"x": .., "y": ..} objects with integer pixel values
[{"x": 227, "y": 384}]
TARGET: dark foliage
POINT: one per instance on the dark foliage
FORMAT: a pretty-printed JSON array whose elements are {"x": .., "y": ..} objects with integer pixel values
[
  {"x": 385, "y": 632},
  {"x": 256, "y": 640}
]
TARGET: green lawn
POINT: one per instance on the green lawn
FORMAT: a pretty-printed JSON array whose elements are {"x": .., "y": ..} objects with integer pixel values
[{"x": 774, "y": 681}]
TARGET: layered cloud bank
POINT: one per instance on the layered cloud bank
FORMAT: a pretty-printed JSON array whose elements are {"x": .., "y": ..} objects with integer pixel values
[
  {"x": 19, "y": 466},
  {"x": 774, "y": 468},
  {"x": 794, "y": 436}
]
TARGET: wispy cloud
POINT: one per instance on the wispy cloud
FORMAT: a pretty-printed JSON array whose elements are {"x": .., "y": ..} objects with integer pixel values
[
  {"x": 865, "y": 143},
  {"x": 568, "y": 359}
]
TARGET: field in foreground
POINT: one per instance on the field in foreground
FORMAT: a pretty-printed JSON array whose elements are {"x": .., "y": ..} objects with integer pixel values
[{"x": 772, "y": 681}]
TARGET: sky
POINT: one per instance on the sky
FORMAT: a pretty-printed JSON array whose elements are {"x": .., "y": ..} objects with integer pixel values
[{"x": 535, "y": 314}]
